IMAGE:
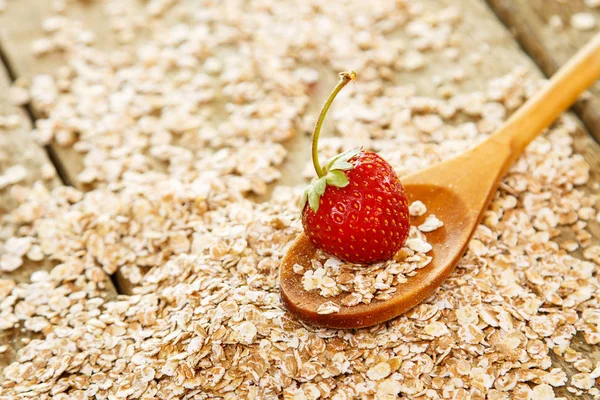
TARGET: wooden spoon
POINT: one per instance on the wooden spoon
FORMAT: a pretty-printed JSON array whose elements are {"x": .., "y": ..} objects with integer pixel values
[{"x": 458, "y": 191}]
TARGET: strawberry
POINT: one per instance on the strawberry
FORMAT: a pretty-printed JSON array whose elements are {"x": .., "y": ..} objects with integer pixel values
[{"x": 356, "y": 209}]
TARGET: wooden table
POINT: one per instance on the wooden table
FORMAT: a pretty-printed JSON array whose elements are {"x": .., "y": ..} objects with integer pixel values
[{"x": 527, "y": 19}]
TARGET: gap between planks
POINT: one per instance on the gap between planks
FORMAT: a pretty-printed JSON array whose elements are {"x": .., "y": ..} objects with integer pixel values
[
  {"x": 52, "y": 156},
  {"x": 63, "y": 160},
  {"x": 21, "y": 149}
]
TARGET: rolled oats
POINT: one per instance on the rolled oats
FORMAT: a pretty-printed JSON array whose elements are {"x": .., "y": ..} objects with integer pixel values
[
  {"x": 169, "y": 179},
  {"x": 418, "y": 244},
  {"x": 592, "y": 3},
  {"x": 417, "y": 208},
  {"x": 431, "y": 224},
  {"x": 543, "y": 392},
  {"x": 328, "y": 307},
  {"x": 10, "y": 262},
  {"x": 18, "y": 95},
  {"x": 388, "y": 390},
  {"x": 12, "y": 175},
  {"x": 583, "y": 21},
  {"x": 352, "y": 284},
  {"x": 379, "y": 371}
]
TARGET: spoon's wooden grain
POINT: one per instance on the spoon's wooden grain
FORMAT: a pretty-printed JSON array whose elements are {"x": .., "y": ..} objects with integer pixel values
[{"x": 458, "y": 192}]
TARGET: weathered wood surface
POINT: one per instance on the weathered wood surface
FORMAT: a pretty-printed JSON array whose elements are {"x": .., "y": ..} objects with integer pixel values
[
  {"x": 20, "y": 25},
  {"x": 534, "y": 24},
  {"x": 18, "y": 148},
  {"x": 483, "y": 35}
]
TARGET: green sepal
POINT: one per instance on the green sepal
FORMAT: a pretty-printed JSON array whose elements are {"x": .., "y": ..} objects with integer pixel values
[
  {"x": 334, "y": 176},
  {"x": 341, "y": 161},
  {"x": 315, "y": 191},
  {"x": 304, "y": 198},
  {"x": 337, "y": 178},
  {"x": 320, "y": 185}
]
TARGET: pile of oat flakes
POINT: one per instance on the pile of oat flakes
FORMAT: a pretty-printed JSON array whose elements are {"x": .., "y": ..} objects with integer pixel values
[{"x": 177, "y": 129}]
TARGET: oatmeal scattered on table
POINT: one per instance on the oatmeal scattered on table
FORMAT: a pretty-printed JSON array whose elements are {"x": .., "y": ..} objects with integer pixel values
[{"x": 169, "y": 182}]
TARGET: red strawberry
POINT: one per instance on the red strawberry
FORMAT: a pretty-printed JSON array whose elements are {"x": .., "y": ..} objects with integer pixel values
[{"x": 356, "y": 210}]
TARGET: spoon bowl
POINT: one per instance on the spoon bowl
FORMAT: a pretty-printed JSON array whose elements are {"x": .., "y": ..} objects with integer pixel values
[
  {"x": 447, "y": 249},
  {"x": 458, "y": 192}
]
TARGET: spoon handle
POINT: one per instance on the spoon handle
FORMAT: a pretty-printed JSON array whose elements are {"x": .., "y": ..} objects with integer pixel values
[{"x": 577, "y": 75}]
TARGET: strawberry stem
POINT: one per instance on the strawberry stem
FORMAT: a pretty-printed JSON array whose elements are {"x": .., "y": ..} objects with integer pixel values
[{"x": 345, "y": 77}]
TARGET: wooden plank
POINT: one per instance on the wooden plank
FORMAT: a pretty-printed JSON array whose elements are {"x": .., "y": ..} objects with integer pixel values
[
  {"x": 20, "y": 25},
  {"x": 19, "y": 151},
  {"x": 589, "y": 148},
  {"x": 534, "y": 24},
  {"x": 17, "y": 148}
]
